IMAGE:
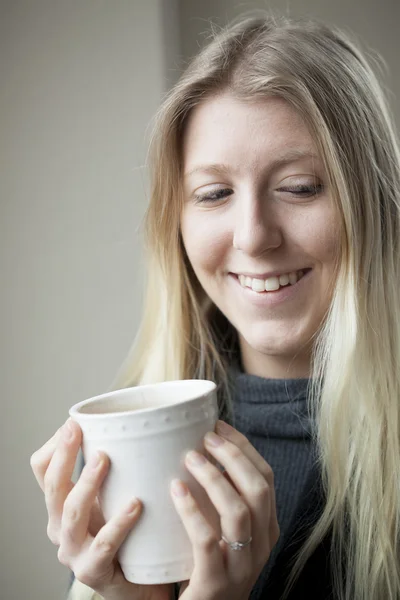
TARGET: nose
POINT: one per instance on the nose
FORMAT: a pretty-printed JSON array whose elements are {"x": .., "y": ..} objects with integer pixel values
[{"x": 256, "y": 228}]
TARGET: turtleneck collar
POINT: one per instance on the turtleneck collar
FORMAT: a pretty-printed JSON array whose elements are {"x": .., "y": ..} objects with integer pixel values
[
  {"x": 254, "y": 389},
  {"x": 276, "y": 408}
]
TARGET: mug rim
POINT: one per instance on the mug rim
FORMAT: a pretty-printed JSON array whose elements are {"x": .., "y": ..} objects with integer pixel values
[{"x": 75, "y": 410}]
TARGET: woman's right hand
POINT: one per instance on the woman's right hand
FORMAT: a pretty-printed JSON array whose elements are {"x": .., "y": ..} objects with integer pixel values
[{"x": 87, "y": 545}]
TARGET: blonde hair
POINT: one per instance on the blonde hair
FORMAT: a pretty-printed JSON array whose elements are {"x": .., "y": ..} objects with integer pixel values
[{"x": 355, "y": 390}]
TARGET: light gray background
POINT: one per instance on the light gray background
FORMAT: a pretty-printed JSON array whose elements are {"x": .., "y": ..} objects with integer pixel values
[{"x": 80, "y": 82}]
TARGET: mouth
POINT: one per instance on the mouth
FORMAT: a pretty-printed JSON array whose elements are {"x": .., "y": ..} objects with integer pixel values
[{"x": 271, "y": 284}]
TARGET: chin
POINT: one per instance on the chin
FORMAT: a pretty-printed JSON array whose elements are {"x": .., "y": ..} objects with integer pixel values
[{"x": 278, "y": 344}]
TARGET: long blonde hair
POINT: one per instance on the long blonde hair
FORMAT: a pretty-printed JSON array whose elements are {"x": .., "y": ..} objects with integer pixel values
[{"x": 355, "y": 393}]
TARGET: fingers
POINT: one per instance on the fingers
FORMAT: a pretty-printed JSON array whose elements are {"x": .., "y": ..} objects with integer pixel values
[
  {"x": 247, "y": 505},
  {"x": 235, "y": 515},
  {"x": 78, "y": 506},
  {"x": 40, "y": 459},
  {"x": 229, "y": 433},
  {"x": 234, "y": 512},
  {"x": 208, "y": 559},
  {"x": 87, "y": 545},
  {"x": 57, "y": 479},
  {"x": 247, "y": 478},
  {"x": 237, "y": 438},
  {"x": 93, "y": 565}
]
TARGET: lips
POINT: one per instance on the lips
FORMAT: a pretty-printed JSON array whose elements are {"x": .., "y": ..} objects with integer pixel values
[{"x": 275, "y": 298}]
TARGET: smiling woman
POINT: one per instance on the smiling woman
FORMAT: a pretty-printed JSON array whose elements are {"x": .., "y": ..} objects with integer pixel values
[{"x": 273, "y": 235}]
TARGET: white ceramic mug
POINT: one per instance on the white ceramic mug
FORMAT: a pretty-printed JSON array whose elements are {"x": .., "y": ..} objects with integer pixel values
[{"x": 146, "y": 432}]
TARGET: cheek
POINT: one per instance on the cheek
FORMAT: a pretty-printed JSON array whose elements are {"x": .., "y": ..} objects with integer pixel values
[
  {"x": 320, "y": 236},
  {"x": 206, "y": 242}
]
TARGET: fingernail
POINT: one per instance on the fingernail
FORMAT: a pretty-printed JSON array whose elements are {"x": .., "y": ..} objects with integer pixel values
[
  {"x": 224, "y": 428},
  {"x": 95, "y": 460},
  {"x": 133, "y": 506},
  {"x": 68, "y": 431},
  {"x": 195, "y": 458},
  {"x": 213, "y": 439},
  {"x": 178, "y": 488}
]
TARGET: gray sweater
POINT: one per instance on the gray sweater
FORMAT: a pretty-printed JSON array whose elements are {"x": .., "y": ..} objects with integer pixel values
[{"x": 273, "y": 415}]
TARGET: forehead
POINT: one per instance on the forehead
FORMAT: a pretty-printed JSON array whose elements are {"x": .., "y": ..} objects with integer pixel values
[{"x": 225, "y": 129}]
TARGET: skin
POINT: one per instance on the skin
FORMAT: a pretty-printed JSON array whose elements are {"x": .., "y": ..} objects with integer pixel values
[{"x": 255, "y": 225}]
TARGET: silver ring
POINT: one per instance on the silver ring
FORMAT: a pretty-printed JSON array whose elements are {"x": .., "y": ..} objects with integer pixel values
[{"x": 237, "y": 545}]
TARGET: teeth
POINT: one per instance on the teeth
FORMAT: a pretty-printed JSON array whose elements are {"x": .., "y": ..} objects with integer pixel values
[
  {"x": 284, "y": 279},
  {"x": 272, "y": 283},
  {"x": 258, "y": 285}
]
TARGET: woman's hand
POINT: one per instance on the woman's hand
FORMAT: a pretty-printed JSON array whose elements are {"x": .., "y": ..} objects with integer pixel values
[
  {"x": 76, "y": 525},
  {"x": 244, "y": 497}
]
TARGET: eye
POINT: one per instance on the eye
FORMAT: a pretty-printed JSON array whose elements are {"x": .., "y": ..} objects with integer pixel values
[
  {"x": 212, "y": 196},
  {"x": 303, "y": 190}
]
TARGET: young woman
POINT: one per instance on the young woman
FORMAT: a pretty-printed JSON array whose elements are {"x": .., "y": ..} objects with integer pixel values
[{"x": 273, "y": 234}]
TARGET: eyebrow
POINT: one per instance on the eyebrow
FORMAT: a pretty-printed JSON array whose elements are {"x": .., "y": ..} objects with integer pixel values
[{"x": 288, "y": 157}]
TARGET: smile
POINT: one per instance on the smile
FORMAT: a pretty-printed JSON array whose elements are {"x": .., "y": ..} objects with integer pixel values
[{"x": 272, "y": 283}]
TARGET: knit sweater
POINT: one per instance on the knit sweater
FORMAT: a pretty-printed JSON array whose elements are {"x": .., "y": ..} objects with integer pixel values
[{"x": 272, "y": 414}]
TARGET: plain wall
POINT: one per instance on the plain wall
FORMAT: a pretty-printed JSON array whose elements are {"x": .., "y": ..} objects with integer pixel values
[
  {"x": 80, "y": 82},
  {"x": 374, "y": 22}
]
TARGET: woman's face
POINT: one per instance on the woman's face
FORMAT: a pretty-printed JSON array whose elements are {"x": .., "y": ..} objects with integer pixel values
[{"x": 259, "y": 227}]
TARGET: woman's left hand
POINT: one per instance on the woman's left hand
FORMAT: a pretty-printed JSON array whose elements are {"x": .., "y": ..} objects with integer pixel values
[{"x": 244, "y": 497}]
